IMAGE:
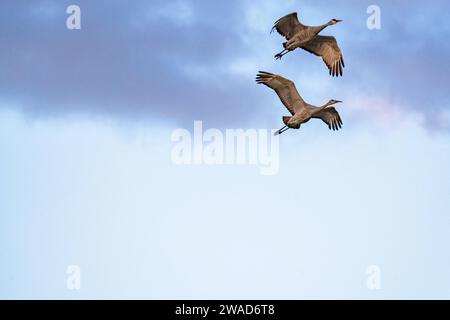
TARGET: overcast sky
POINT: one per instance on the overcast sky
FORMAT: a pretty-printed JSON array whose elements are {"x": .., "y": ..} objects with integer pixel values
[{"x": 86, "y": 176}]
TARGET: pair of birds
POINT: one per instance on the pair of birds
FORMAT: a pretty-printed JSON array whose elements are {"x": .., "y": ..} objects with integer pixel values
[{"x": 307, "y": 38}]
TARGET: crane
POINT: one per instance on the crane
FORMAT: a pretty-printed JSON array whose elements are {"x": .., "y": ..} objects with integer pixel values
[
  {"x": 308, "y": 38},
  {"x": 301, "y": 112}
]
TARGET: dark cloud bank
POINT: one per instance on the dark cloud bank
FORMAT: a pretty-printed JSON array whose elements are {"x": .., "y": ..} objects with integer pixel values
[{"x": 136, "y": 60}]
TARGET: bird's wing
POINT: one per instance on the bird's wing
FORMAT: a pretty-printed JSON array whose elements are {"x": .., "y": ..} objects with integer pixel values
[
  {"x": 288, "y": 25},
  {"x": 331, "y": 117},
  {"x": 327, "y": 48},
  {"x": 284, "y": 88}
]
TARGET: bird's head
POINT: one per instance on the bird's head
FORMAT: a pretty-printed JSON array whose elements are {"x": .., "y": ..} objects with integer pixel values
[
  {"x": 332, "y": 102},
  {"x": 334, "y": 21}
]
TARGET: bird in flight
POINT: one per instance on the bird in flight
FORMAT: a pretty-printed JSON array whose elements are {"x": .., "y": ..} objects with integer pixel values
[
  {"x": 301, "y": 112},
  {"x": 308, "y": 38}
]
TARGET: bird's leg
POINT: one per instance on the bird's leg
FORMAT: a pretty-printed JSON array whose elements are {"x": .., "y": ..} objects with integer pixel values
[
  {"x": 286, "y": 129},
  {"x": 278, "y": 56},
  {"x": 281, "y": 130}
]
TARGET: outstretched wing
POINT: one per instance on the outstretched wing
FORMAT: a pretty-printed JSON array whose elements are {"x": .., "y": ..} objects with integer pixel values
[
  {"x": 331, "y": 117},
  {"x": 284, "y": 88},
  {"x": 288, "y": 25},
  {"x": 327, "y": 48}
]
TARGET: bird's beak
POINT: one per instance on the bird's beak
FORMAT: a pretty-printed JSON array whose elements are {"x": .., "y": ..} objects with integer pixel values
[
  {"x": 339, "y": 20},
  {"x": 338, "y": 101}
]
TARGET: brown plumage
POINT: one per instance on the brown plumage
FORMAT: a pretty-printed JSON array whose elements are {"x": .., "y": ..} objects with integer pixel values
[
  {"x": 307, "y": 38},
  {"x": 301, "y": 112},
  {"x": 288, "y": 26}
]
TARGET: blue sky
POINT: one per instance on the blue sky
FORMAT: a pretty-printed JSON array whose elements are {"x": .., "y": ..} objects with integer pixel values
[{"x": 87, "y": 179}]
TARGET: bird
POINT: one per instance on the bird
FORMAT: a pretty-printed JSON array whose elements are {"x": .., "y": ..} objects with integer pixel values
[
  {"x": 308, "y": 38},
  {"x": 301, "y": 112}
]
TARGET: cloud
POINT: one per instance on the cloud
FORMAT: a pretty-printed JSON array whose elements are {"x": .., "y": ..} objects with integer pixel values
[
  {"x": 132, "y": 61},
  {"x": 84, "y": 193},
  {"x": 188, "y": 60}
]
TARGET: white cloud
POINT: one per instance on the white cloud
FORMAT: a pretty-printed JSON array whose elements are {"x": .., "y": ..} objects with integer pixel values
[
  {"x": 444, "y": 119},
  {"x": 107, "y": 198}
]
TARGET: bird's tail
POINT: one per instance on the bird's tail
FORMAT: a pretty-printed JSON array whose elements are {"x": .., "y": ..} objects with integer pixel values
[{"x": 286, "y": 119}]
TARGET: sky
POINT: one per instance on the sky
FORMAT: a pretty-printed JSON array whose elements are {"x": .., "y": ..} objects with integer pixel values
[{"x": 87, "y": 179}]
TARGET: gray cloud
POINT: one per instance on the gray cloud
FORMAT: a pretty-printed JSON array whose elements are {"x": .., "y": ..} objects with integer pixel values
[
  {"x": 128, "y": 59},
  {"x": 168, "y": 61}
]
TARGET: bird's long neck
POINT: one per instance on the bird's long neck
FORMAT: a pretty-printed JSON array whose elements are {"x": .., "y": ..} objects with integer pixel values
[
  {"x": 326, "y": 105},
  {"x": 321, "y": 27}
]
